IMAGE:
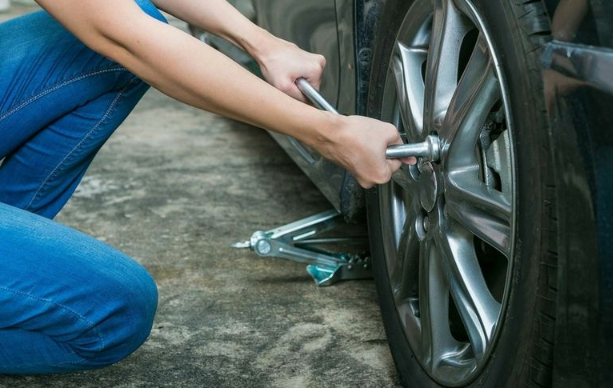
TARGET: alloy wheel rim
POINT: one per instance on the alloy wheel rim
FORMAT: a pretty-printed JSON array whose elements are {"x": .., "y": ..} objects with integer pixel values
[{"x": 448, "y": 224}]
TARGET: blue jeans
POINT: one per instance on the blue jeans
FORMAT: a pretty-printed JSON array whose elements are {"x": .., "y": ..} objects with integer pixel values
[{"x": 67, "y": 301}]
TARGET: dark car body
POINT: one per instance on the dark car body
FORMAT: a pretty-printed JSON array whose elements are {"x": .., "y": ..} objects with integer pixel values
[
  {"x": 577, "y": 71},
  {"x": 578, "y": 81}
]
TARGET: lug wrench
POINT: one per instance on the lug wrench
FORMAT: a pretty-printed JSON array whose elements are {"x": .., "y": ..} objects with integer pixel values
[{"x": 429, "y": 149}]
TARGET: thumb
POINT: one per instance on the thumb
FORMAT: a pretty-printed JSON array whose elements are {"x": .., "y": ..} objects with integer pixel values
[
  {"x": 315, "y": 82},
  {"x": 409, "y": 160},
  {"x": 393, "y": 165}
]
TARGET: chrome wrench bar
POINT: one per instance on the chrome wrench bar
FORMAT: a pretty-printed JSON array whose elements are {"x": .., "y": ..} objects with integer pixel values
[
  {"x": 428, "y": 149},
  {"x": 314, "y": 96}
]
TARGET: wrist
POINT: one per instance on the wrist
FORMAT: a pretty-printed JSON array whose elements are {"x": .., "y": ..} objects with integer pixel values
[
  {"x": 326, "y": 132},
  {"x": 258, "y": 42}
]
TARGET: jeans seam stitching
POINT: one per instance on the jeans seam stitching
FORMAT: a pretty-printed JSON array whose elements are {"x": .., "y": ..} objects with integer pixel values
[
  {"x": 79, "y": 145},
  {"x": 91, "y": 325},
  {"x": 58, "y": 86}
]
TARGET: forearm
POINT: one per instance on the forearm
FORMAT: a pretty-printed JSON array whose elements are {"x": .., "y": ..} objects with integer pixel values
[
  {"x": 190, "y": 71},
  {"x": 281, "y": 62},
  {"x": 184, "y": 68},
  {"x": 200, "y": 76},
  {"x": 220, "y": 18}
]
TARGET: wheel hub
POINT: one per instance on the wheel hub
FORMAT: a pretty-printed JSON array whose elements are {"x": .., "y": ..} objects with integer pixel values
[{"x": 427, "y": 185}]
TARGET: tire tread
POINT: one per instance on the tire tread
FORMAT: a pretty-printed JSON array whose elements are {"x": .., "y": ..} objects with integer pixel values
[{"x": 534, "y": 22}]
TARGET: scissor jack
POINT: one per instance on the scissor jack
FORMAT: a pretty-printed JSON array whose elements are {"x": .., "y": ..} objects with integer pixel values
[{"x": 302, "y": 241}]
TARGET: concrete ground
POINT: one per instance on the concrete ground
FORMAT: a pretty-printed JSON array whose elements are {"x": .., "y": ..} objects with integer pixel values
[{"x": 174, "y": 188}]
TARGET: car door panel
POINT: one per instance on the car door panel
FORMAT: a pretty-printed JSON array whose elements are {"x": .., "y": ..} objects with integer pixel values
[{"x": 312, "y": 25}]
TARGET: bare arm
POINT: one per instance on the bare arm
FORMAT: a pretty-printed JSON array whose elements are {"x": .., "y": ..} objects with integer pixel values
[
  {"x": 281, "y": 62},
  {"x": 184, "y": 68},
  {"x": 215, "y": 16}
]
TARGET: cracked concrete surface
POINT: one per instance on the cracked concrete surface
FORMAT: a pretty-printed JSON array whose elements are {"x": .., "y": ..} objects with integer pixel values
[{"x": 174, "y": 188}]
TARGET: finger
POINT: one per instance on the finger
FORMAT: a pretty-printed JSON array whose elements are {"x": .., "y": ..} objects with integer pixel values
[
  {"x": 315, "y": 82},
  {"x": 322, "y": 61},
  {"x": 394, "y": 164},
  {"x": 315, "y": 78},
  {"x": 365, "y": 185},
  {"x": 409, "y": 160},
  {"x": 361, "y": 181}
]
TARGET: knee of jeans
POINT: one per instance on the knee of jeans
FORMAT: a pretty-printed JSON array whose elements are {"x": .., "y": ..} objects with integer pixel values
[
  {"x": 125, "y": 324},
  {"x": 151, "y": 10}
]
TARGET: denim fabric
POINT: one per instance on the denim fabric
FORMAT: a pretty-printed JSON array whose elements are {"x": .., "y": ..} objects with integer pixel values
[{"x": 67, "y": 301}]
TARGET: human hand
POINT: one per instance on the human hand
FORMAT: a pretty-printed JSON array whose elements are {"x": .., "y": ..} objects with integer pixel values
[
  {"x": 282, "y": 63},
  {"x": 358, "y": 144}
]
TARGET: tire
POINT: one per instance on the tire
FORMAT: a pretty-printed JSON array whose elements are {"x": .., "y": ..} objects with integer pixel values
[{"x": 518, "y": 347}]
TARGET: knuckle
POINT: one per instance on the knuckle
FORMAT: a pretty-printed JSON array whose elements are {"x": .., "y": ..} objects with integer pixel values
[
  {"x": 322, "y": 60},
  {"x": 383, "y": 177},
  {"x": 366, "y": 184}
]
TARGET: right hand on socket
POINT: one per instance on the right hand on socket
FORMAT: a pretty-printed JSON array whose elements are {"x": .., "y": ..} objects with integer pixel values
[{"x": 358, "y": 144}]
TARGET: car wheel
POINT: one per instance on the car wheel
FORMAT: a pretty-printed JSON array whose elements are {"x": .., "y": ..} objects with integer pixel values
[{"x": 464, "y": 242}]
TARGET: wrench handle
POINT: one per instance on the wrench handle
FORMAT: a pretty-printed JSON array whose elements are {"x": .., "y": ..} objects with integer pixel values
[
  {"x": 393, "y": 152},
  {"x": 314, "y": 96}
]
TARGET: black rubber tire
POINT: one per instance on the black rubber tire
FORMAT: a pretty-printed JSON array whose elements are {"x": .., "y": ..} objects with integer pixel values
[{"x": 523, "y": 354}]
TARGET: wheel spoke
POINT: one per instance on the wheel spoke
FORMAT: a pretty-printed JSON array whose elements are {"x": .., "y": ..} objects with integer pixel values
[
  {"x": 448, "y": 30},
  {"x": 437, "y": 342},
  {"x": 406, "y": 64},
  {"x": 466, "y": 9},
  {"x": 482, "y": 210},
  {"x": 476, "y": 94},
  {"x": 477, "y": 307},
  {"x": 408, "y": 252},
  {"x": 404, "y": 272}
]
